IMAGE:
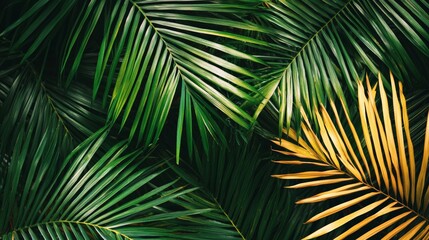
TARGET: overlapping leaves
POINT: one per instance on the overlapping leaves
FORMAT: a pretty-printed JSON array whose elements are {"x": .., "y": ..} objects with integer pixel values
[
  {"x": 78, "y": 197},
  {"x": 239, "y": 186},
  {"x": 372, "y": 165},
  {"x": 99, "y": 185},
  {"x": 325, "y": 46},
  {"x": 151, "y": 53}
]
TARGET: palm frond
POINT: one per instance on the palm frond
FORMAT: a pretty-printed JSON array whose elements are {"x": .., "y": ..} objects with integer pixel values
[
  {"x": 26, "y": 96},
  {"x": 84, "y": 196},
  {"x": 167, "y": 53},
  {"x": 80, "y": 116},
  {"x": 235, "y": 182},
  {"x": 153, "y": 53},
  {"x": 37, "y": 119},
  {"x": 326, "y": 47},
  {"x": 27, "y": 103},
  {"x": 380, "y": 173}
]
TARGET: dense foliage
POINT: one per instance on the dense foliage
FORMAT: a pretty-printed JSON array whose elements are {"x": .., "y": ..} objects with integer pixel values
[{"x": 155, "y": 119}]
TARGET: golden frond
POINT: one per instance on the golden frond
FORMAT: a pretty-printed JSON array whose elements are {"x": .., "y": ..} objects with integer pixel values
[{"x": 371, "y": 164}]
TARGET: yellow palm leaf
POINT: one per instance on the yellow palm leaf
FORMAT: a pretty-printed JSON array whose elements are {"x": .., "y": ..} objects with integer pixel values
[
  {"x": 309, "y": 174},
  {"x": 340, "y": 222},
  {"x": 389, "y": 208},
  {"x": 335, "y": 193},
  {"x": 320, "y": 182},
  {"x": 371, "y": 165},
  {"x": 422, "y": 173},
  {"x": 382, "y": 226},
  {"x": 341, "y": 207}
]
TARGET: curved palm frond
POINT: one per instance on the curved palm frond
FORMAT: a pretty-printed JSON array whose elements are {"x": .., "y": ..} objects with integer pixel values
[
  {"x": 325, "y": 47},
  {"x": 379, "y": 173},
  {"x": 172, "y": 54},
  {"x": 26, "y": 102},
  {"x": 80, "y": 116},
  {"x": 28, "y": 97},
  {"x": 152, "y": 53},
  {"x": 235, "y": 182},
  {"x": 84, "y": 196},
  {"x": 79, "y": 197},
  {"x": 37, "y": 121}
]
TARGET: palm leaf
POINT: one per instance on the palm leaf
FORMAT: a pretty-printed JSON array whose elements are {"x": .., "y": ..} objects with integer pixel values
[
  {"x": 173, "y": 50},
  {"x": 234, "y": 180},
  {"x": 80, "y": 197},
  {"x": 152, "y": 51},
  {"x": 378, "y": 170},
  {"x": 40, "y": 120},
  {"x": 326, "y": 47},
  {"x": 26, "y": 101},
  {"x": 87, "y": 196},
  {"x": 26, "y": 96},
  {"x": 81, "y": 116}
]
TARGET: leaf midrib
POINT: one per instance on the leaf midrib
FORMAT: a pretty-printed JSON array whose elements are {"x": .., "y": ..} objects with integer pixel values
[
  {"x": 54, "y": 109},
  {"x": 71, "y": 222},
  {"x": 379, "y": 191},
  {"x": 227, "y": 216},
  {"x": 171, "y": 54},
  {"x": 314, "y": 36}
]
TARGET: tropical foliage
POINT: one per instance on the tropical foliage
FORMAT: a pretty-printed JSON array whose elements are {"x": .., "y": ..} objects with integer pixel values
[
  {"x": 380, "y": 172},
  {"x": 153, "y": 118}
]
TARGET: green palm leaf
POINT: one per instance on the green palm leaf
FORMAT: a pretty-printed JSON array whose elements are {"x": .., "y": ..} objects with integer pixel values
[
  {"x": 166, "y": 48},
  {"x": 234, "y": 180},
  {"x": 26, "y": 96},
  {"x": 108, "y": 184},
  {"x": 81, "y": 116},
  {"x": 378, "y": 171},
  {"x": 152, "y": 51},
  {"x": 78, "y": 197},
  {"x": 326, "y": 47}
]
